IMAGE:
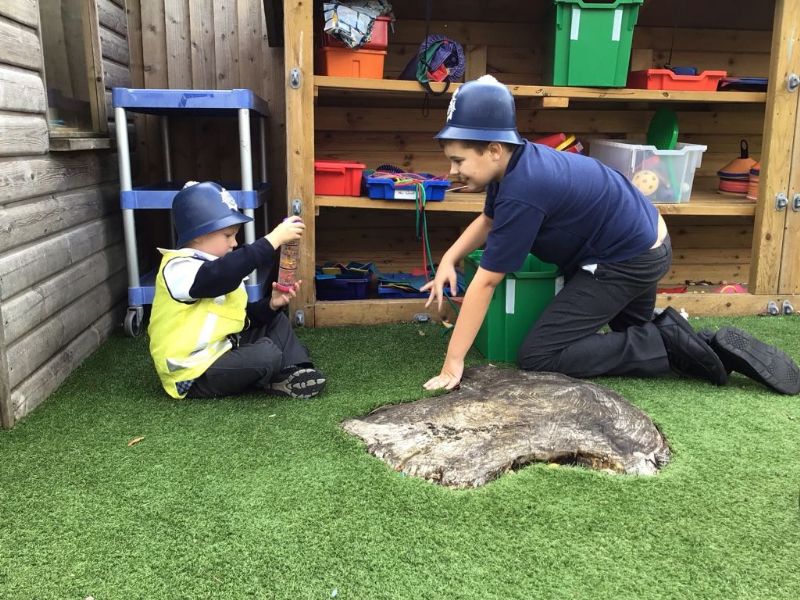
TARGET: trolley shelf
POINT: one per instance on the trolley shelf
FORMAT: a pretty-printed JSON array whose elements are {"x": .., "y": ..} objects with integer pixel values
[
  {"x": 161, "y": 195},
  {"x": 188, "y": 102}
]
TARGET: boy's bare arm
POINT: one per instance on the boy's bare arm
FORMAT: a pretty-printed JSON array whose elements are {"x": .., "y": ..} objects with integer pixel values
[
  {"x": 474, "y": 236},
  {"x": 470, "y": 317}
]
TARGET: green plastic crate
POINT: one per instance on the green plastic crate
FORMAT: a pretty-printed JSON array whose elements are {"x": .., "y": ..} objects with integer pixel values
[
  {"x": 516, "y": 304},
  {"x": 591, "y": 43}
]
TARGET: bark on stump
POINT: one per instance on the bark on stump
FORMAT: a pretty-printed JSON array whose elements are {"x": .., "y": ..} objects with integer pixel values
[{"x": 502, "y": 419}]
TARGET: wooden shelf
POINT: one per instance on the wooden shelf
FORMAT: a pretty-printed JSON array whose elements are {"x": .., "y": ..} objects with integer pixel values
[
  {"x": 393, "y": 87},
  {"x": 703, "y": 203}
]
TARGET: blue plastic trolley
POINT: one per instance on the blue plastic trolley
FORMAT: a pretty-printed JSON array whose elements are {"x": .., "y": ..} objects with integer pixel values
[{"x": 164, "y": 103}]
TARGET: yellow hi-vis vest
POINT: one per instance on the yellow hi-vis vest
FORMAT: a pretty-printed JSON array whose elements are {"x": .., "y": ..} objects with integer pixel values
[{"x": 186, "y": 338}]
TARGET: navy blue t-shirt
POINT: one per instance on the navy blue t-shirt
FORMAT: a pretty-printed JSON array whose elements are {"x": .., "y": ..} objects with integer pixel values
[{"x": 567, "y": 209}]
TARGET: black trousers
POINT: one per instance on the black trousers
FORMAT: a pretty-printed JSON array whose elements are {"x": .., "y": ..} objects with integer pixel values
[
  {"x": 261, "y": 354},
  {"x": 621, "y": 295}
]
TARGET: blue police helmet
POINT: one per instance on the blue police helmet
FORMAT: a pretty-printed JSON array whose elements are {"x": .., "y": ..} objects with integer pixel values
[
  {"x": 201, "y": 208},
  {"x": 482, "y": 110}
]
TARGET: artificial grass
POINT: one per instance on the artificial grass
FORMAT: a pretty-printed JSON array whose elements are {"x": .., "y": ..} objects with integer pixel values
[{"x": 256, "y": 497}]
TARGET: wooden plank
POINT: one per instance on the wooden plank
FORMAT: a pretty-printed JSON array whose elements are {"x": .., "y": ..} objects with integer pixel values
[
  {"x": 372, "y": 312},
  {"x": 29, "y": 177},
  {"x": 22, "y": 134},
  {"x": 25, "y": 12},
  {"x": 782, "y": 108},
  {"x": 6, "y": 411},
  {"x": 115, "y": 47},
  {"x": 790, "y": 256},
  {"x": 25, "y": 222},
  {"x": 49, "y": 376},
  {"x": 94, "y": 76},
  {"x": 115, "y": 75},
  {"x": 29, "y": 352},
  {"x": 179, "y": 53},
  {"x": 702, "y": 39},
  {"x": 21, "y": 90},
  {"x": 19, "y": 45},
  {"x": 73, "y": 144},
  {"x": 727, "y": 305},
  {"x": 476, "y": 62},
  {"x": 226, "y": 42},
  {"x": 382, "y": 87},
  {"x": 401, "y": 120},
  {"x": 112, "y": 17},
  {"x": 34, "y": 306},
  {"x": 154, "y": 51},
  {"x": 25, "y": 267},
  {"x": 251, "y": 43},
  {"x": 731, "y": 273},
  {"x": 298, "y": 35},
  {"x": 201, "y": 18}
]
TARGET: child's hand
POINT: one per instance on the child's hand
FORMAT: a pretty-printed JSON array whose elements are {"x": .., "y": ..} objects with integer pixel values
[
  {"x": 288, "y": 230},
  {"x": 449, "y": 378},
  {"x": 280, "y": 299},
  {"x": 445, "y": 275}
]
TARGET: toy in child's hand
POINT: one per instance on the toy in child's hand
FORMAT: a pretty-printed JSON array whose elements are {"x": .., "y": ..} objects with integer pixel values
[
  {"x": 282, "y": 296},
  {"x": 645, "y": 181}
]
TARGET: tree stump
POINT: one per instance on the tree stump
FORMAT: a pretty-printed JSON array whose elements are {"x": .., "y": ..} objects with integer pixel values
[{"x": 502, "y": 419}]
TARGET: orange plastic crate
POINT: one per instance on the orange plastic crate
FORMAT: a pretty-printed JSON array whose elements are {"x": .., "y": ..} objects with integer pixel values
[
  {"x": 344, "y": 62},
  {"x": 664, "y": 79}
]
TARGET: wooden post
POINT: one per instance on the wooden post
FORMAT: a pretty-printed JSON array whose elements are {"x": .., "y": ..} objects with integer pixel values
[
  {"x": 299, "y": 83},
  {"x": 779, "y": 136}
]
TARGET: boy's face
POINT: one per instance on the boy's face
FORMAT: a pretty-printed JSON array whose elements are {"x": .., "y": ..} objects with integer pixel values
[
  {"x": 217, "y": 243},
  {"x": 475, "y": 169}
]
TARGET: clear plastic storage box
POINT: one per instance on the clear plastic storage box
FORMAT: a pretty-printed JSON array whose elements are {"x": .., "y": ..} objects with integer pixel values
[{"x": 664, "y": 176}]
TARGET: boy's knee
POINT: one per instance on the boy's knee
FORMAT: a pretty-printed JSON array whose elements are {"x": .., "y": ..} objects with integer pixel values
[{"x": 530, "y": 361}]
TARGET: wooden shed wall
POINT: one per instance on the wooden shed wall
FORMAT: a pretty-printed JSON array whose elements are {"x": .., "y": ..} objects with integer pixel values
[
  {"x": 62, "y": 265},
  {"x": 204, "y": 44}
]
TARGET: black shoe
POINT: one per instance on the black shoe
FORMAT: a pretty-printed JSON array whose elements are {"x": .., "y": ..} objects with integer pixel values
[
  {"x": 299, "y": 383},
  {"x": 748, "y": 355},
  {"x": 688, "y": 354}
]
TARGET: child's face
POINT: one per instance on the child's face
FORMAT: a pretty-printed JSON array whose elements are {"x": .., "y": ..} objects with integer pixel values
[
  {"x": 475, "y": 169},
  {"x": 217, "y": 243}
]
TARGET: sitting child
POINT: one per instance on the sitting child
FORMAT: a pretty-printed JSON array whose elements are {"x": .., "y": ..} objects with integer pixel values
[{"x": 206, "y": 340}]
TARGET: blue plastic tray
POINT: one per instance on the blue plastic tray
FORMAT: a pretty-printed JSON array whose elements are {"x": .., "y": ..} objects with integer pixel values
[
  {"x": 384, "y": 188},
  {"x": 206, "y": 102}
]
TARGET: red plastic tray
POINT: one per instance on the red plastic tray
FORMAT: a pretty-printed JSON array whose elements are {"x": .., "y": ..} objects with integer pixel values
[
  {"x": 337, "y": 177},
  {"x": 664, "y": 79}
]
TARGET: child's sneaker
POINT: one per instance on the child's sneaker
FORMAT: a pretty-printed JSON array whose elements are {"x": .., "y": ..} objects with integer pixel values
[{"x": 302, "y": 382}]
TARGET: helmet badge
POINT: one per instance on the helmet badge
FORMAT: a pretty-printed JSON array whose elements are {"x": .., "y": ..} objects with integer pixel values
[
  {"x": 451, "y": 108},
  {"x": 228, "y": 200}
]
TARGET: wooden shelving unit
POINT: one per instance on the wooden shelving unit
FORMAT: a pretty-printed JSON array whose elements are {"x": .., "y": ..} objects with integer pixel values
[{"x": 390, "y": 121}]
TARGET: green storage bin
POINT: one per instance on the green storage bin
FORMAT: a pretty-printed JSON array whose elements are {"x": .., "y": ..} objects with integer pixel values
[
  {"x": 592, "y": 42},
  {"x": 516, "y": 304}
]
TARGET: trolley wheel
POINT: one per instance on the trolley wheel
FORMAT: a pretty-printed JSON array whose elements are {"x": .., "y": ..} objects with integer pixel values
[{"x": 133, "y": 321}]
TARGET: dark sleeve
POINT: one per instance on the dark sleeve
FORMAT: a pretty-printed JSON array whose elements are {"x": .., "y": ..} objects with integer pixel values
[
  {"x": 514, "y": 229},
  {"x": 222, "y": 276},
  {"x": 260, "y": 313}
]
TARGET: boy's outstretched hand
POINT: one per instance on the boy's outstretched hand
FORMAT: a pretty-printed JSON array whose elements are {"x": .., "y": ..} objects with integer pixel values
[
  {"x": 288, "y": 230},
  {"x": 445, "y": 275},
  {"x": 280, "y": 299},
  {"x": 449, "y": 378}
]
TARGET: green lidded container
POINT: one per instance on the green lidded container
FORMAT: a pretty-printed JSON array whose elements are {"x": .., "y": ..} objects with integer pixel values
[
  {"x": 591, "y": 43},
  {"x": 516, "y": 304}
]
